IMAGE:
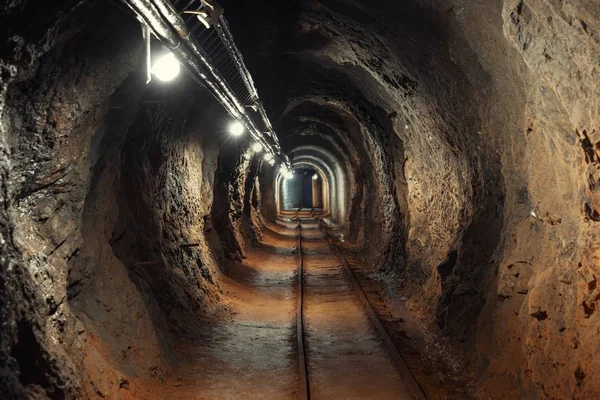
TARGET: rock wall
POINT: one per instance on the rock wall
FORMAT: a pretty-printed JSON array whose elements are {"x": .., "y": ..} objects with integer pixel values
[
  {"x": 468, "y": 130},
  {"x": 268, "y": 208},
  {"x": 110, "y": 250},
  {"x": 52, "y": 122},
  {"x": 231, "y": 191}
]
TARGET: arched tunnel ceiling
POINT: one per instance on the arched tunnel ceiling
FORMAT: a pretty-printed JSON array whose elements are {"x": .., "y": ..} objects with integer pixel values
[
  {"x": 323, "y": 173},
  {"x": 321, "y": 125}
]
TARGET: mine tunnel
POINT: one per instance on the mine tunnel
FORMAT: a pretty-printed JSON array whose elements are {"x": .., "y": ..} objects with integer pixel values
[{"x": 324, "y": 199}]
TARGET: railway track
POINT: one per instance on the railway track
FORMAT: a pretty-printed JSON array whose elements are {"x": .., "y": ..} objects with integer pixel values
[
  {"x": 343, "y": 348},
  {"x": 304, "y": 392}
]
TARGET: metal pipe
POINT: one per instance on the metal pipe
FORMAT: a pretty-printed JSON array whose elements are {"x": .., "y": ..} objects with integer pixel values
[
  {"x": 154, "y": 20},
  {"x": 171, "y": 15},
  {"x": 170, "y": 28},
  {"x": 223, "y": 29}
]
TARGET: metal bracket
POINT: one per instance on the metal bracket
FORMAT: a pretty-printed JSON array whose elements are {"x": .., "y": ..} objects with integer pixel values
[
  {"x": 147, "y": 35},
  {"x": 208, "y": 13}
]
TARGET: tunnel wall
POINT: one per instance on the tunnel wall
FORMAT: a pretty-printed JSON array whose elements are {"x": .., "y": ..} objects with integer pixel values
[
  {"x": 252, "y": 219},
  {"x": 122, "y": 206},
  {"x": 268, "y": 207},
  {"x": 468, "y": 133}
]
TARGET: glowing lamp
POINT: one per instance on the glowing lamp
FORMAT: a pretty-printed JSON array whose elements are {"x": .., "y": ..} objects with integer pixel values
[
  {"x": 166, "y": 68},
  {"x": 257, "y": 147},
  {"x": 236, "y": 128}
]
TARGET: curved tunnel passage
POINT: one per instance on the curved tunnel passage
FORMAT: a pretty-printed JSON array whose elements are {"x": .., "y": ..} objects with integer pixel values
[{"x": 146, "y": 252}]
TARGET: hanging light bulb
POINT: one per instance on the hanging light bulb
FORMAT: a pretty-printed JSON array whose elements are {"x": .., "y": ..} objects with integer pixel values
[
  {"x": 271, "y": 162},
  {"x": 236, "y": 128},
  {"x": 315, "y": 177},
  {"x": 257, "y": 147},
  {"x": 268, "y": 157},
  {"x": 166, "y": 68}
]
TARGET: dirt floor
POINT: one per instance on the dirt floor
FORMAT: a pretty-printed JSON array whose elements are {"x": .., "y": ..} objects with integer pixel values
[
  {"x": 251, "y": 353},
  {"x": 346, "y": 359}
]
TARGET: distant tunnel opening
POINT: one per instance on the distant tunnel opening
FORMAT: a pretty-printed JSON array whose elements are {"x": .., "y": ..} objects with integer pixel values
[{"x": 302, "y": 190}]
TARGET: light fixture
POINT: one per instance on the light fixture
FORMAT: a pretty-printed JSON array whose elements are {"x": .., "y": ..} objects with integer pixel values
[
  {"x": 236, "y": 128},
  {"x": 271, "y": 162},
  {"x": 166, "y": 68},
  {"x": 268, "y": 157},
  {"x": 287, "y": 174},
  {"x": 315, "y": 177},
  {"x": 257, "y": 147}
]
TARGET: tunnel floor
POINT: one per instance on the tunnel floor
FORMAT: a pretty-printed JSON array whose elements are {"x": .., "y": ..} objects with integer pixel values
[
  {"x": 346, "y": 359},
  {"x": 252, "y": 351}
]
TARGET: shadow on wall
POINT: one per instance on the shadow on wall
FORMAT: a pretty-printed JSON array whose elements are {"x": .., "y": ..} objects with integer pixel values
[{"x": 147, "y": 269}]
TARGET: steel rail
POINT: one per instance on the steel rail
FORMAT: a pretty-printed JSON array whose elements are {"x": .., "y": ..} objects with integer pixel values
[
  {"x": 391, "y": 347},
  {"x": 304, "y": 393}
]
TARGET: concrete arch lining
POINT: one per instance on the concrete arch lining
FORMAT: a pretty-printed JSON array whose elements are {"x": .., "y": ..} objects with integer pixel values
[
  {"x": 325, "y": 179},
  {"x": 333, "y": 172},
  {"x": 329, "y": 177}
]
